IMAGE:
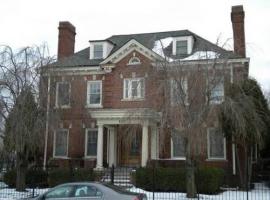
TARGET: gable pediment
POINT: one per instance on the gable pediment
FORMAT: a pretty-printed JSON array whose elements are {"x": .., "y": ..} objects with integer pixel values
[{"x": 130, "y": 46}]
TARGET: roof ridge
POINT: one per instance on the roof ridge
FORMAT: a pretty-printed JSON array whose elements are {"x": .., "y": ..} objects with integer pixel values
[{"x": 152, "y": 33}]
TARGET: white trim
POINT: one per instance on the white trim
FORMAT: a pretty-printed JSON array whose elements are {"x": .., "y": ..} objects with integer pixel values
[
  {"x": 88, "y": 105},
  {"x": 209, "y": 158},
  {"x": 54, "y": 143},
  {"x": 128, "y": 48},
  {"x": 56, "y": 95},
  {"x": 140, "y": 95},
  {"x": 85, "y": 143},
  {"x": 175, "y": 157},
  {"x": 190, "y": 42}
]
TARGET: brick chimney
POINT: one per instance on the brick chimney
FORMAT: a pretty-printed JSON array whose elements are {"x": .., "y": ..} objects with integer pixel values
[
  {"x": 237, "y": 17},
  {"x": 66, "y": 39}
]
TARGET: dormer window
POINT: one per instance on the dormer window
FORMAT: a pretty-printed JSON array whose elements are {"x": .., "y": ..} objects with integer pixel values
[
  {"x": 98, "y": 51},
  {"x": 182, "y": 45}
]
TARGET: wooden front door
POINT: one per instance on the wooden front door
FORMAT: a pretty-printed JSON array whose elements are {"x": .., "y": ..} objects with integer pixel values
[{"x": 129, "y": 150}]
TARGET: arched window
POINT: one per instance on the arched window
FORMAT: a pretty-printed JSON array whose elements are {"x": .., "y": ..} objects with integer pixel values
[{"x": 134, "y": 61}]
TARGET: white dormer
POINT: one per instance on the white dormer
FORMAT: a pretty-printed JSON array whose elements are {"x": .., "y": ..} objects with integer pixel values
[
  {"x": 182, "y": 45},
  {"x": 100, "y": 49}
]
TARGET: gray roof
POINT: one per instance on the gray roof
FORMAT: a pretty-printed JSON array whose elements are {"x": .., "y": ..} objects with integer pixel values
[{"x": 81, "y": 58}]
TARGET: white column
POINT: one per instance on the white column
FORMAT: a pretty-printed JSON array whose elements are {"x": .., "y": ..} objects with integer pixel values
[
  {"x": 154, "y": 143},
  {"x": 100, "y": 147},
  {"x": 144, "y": 145},
  {"x": 112, "y": 143}
]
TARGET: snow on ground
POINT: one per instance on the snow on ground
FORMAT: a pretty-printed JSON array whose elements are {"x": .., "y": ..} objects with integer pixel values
[{"x": 260, "y": 192}]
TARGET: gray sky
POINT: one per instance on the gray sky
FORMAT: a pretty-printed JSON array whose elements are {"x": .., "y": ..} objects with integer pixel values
[{"x": 29, "y": 22}]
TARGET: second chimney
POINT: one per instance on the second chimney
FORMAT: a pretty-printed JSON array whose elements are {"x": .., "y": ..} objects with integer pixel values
[
  {"x": 66, "y": 39},
  {"x": 237, "y": 17}
]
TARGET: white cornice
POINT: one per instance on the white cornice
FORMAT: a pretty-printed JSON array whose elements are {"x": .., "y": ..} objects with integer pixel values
[{"x": 128, "y": 48}]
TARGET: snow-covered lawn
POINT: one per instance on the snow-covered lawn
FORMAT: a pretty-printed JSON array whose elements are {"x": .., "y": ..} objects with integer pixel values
[{"x": 260, "y": 192}]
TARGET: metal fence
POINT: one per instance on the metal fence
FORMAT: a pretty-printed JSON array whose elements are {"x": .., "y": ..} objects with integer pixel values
[{"x": 124, "y": 178}]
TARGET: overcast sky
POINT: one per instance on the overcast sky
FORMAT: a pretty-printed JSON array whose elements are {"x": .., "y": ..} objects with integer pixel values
[{"x": 33, "y": 22}]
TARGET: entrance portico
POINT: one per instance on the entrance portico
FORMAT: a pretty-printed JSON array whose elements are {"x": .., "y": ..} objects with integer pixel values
[{"x": 109, "y": 118}]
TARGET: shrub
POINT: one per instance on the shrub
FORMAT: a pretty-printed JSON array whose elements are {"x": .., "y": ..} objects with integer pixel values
[
  {"x": 209, "y": 179},
  {"x": 174, "y": 179},
  {"x": 59, "y": 176},
  {"x": 34, "y": 178},
  {"x": 10, "y": 178}
]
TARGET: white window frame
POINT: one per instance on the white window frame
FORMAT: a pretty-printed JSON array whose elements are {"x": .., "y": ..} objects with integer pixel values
[
  {"x": 190, "y": 42},
  {"x": 129, "y": 97},
  {"x": 57, "y": 94},
  {"x": 54, "y": 143},
  {"x": 86, "y": 141},
  {"x": 208, "y": 147},
  {"x": 184, "y": 86},
  {"x": 176, "y": 157},
  {"x": 102, "y": 55},
  {"x": 97, "y": 105}
]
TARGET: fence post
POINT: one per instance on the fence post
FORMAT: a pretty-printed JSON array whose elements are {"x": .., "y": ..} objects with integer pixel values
[
  {"x": 112, "y": 174},
  {"x": 153, "y": 179},
  {"x": 247, "y": 175}
]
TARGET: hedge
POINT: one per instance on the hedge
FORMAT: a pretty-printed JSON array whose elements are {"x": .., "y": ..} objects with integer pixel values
[
  {"x": 59, "y": 176},
  {"x": 40, "y": 178},
  {"x": 208, "y": 179},
  {"x": 34, "y": 178}
]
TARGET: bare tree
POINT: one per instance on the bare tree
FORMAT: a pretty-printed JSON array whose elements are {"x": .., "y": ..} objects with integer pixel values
[{"x": 19, "y": 72}]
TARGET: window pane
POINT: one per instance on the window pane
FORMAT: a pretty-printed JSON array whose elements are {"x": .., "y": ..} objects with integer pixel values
[
  {"x": 217, "y": 91},
  {"x": 135, "y": 145},
  {"x": 87, "y": 191},
  {"x": 134, "y": 88},
  {"x": 216, "y": 140},
  {"x": 178, "y": 145},
  {"x": 95, "y": 93},
  {"x": 181, "y": 47},
  {"x": 92, "y": 143},
  {"x": 61, "y": 192},
  {"x": 63, "y": 94},
  {"x": 98, "y": 51},
  {"x": 61, "y": 142},
  {"x": 126, "y": 88}
]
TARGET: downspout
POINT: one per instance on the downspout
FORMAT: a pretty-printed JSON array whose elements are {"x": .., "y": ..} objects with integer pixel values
[
  {"x": 47, "y": 122},
  {"x": 233, "y": 142}
]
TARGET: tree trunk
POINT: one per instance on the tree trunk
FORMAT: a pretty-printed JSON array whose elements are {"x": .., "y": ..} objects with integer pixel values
[
  {"x": 20, "y": 174},
  {"x": 190, "y": 173}
]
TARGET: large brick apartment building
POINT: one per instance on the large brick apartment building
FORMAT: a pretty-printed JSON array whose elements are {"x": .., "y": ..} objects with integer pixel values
[{"x": 94, "y": 95}]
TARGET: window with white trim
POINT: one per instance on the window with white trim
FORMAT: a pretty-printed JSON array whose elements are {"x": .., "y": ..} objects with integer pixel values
[
  {"x": 216, "y": 144},
  {"x": 178, "y": 146},
  {"x": 91, "y": 143},
  {"x": 62, "y": 94},
  {"x": 134, "y": 61},
  {"x": 179, "y": 91},
  {"x": 98, "y": 51},
  {"x": 94, "y": 93},
  {"x": 216, "y": 88},
  {"x": 61, "y": 143},
  {"x": 182, "y": 47},
  {"x": 134, "y": 88}
]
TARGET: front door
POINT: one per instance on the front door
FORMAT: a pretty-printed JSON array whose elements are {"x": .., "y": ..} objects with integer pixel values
[{"x": 129, "y": 150}]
